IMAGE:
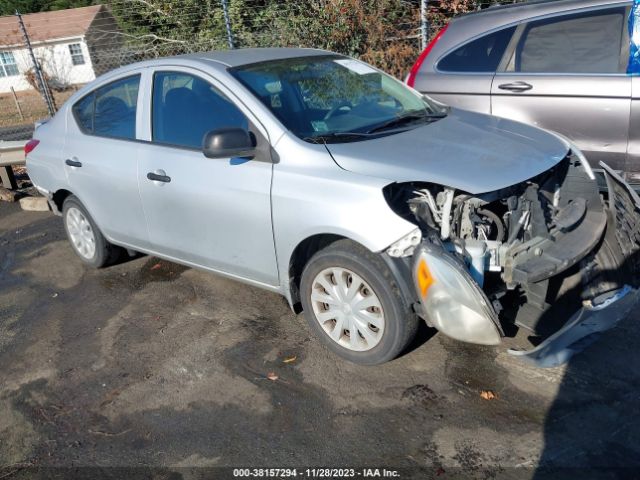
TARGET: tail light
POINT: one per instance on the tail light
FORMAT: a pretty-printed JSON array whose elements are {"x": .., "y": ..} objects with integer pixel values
[
  {"x": 411, "y": 79},
  {"x": 30, "y": 145}
]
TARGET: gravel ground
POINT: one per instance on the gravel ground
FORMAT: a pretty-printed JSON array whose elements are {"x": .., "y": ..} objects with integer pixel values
[{"x": 151, "y": 364}]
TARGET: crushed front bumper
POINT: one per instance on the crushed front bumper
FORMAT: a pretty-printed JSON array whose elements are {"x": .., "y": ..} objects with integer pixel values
[
  {"x": 475, "y": 320},
  {"x": 584, "y": 327}
]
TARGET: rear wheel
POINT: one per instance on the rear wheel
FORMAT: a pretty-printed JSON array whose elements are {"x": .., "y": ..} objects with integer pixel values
[
  {"x": 85, "y": 237},
  {"x": 352, "y": 302}
]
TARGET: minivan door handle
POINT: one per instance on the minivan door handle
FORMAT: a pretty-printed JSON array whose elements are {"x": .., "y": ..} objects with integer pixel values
[
  {"x": 159, "y": 176},
  {"x": 516, "y": 86},
  {"x": 73, "y": 163}
]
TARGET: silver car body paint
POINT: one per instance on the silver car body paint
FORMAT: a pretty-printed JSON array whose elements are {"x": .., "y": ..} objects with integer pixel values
[
  {"x": 468, "y": 151},
  {"x": 245, "y": 221}
]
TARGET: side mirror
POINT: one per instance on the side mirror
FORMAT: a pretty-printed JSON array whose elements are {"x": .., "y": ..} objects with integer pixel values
[{"x": 228, "y": 142}]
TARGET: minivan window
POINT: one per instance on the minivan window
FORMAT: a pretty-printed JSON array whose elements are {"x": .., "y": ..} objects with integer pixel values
[
  {"x": 185, "y": 107},
  {"x": 482, "y": 55},
  {"x": 580, "y": 43},
  {"x": 110, "y": 111}
]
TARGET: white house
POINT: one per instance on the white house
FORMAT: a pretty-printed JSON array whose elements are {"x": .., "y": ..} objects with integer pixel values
[{"x": 69, "y": 44}]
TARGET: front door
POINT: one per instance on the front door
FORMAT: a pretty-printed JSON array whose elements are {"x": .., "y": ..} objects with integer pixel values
[
  {"x": 214, "y": 213},
  {"x": 568, "y": 74}
]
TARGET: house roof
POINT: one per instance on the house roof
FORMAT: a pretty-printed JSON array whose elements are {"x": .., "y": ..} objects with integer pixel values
[{"x": 45, "y": 26}]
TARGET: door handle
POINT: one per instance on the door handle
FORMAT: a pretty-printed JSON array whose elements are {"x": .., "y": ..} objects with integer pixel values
[
  {"x": 73, "y": 163},
  {"x": 516, "y": 86},
  {"x": 158, "y": 177}
]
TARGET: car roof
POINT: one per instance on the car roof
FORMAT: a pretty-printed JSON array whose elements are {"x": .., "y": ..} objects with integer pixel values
[
  {"x": 219, "y": 59},
  {"x": 516, "y": 12},
  {"x": 468, "y": 26},
  {"x": 246, "y": 56}
]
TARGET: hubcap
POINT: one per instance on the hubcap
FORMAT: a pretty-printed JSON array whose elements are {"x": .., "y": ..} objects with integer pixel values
[
  {"x": 81, "y": 233},
  {"x": 347, "y": 309}
]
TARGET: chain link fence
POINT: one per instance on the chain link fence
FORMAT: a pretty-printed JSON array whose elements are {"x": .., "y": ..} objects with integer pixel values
[{"x": 45, "y": 57}]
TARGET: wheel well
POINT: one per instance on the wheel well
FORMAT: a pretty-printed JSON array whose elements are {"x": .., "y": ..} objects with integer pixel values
[
  {"x": 59, "y": 197},
  {"x": 301, "y": 255}
]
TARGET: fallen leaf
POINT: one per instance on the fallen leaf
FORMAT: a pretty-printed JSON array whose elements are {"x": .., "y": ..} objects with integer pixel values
[
  {"x": 156, "y": 266},
  {"x": 488, "y": 395},
  {"x": 440, "y": 471},
  {"x": 272, "y": 376},
  {"x": 291, "y": 359}
]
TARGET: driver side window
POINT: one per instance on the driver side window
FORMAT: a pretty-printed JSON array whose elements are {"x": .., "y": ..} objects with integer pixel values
[{"x": 185, "y": 107}]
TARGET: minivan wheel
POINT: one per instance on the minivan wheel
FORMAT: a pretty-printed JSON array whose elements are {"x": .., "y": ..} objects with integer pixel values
[
  {"x": 85, "y": 237},
  {"x": 352, "y": 301}
]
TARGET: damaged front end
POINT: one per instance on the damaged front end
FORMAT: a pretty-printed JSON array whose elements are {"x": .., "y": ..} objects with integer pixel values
[{"x": 549, "y": 255}]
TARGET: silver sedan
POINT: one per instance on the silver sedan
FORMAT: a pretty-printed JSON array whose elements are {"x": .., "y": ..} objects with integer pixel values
[{"x": 364, "y": 203}]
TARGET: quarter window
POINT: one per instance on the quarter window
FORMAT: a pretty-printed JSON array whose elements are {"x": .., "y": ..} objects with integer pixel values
[
  {"x": 583, "y": 43},
  {"x": 110, "y": 111},
  {"x": 8, "y": 67},
  {"x": 186, "y": 107},
  {"x": 77, "y": 58},
  {"x": 481, "y": 55},
  {"x": 83, "y": 111}
]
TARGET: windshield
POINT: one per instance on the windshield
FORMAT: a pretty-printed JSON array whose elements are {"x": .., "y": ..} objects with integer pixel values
[{"x": 335, "y": 99}]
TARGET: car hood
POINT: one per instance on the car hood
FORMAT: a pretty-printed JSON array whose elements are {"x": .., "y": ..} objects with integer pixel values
[{"x": 467, "y": 151}]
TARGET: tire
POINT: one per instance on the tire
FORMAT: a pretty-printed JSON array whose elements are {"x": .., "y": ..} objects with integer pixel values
[
  {"x": 609, "y": 268},
  {"x": 81, "y": 231},
  {"x": 602, "y": 271},
  {"x": 626, "y": 236},
  {"x": 349, "y": 265}
]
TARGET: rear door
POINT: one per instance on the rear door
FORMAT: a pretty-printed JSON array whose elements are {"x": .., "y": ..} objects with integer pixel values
[
  {"x": 633, "y": 152},
  {"x": 567, "y": 73},
  {"x": 101, "y": 155}
]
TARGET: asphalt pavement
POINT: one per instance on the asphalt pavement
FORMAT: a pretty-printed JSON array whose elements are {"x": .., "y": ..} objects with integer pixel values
[{"x": 153, "y": 369}]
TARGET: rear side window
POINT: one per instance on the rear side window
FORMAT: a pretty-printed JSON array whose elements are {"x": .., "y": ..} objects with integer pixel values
[
  {"x": 580, "y": 43},
  {"x": 185, "y": 107},
  {"x": 481, "y": 55},
  {"x": 110, "y": 111}
]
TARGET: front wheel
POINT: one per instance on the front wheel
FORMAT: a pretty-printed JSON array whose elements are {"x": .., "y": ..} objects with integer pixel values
[{"x": 352, "y": 301}]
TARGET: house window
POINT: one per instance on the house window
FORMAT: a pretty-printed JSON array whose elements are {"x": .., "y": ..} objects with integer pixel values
[
  {"x": 76, "y": 54},
  {"x": 8, "y": 66}
]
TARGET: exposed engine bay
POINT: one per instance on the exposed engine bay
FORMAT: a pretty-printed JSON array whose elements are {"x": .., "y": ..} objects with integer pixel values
[{"x": 532, "y": 248}]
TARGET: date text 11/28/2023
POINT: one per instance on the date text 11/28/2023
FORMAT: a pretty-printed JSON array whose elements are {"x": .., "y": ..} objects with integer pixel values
[{"x": 315, "y": 473}]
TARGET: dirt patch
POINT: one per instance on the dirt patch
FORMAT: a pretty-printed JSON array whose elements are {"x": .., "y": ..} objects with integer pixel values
[
  {"x": 139, "y": 364},
  {"x": 67, "y": 273},
  {"x": 18, "y": 435}
]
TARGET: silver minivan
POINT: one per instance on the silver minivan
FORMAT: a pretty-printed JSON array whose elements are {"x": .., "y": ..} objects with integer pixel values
[{"x": 559, "y": 65}]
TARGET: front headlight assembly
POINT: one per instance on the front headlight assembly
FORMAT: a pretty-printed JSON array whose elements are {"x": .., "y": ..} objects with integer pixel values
[{"x": 452, "y": 300}]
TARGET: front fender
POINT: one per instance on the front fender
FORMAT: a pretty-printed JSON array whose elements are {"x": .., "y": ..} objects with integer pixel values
[{"x": 317, "y": 197}]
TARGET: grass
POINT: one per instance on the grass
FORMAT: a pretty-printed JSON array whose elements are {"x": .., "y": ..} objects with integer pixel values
[{"x": 32, "y": 105}]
